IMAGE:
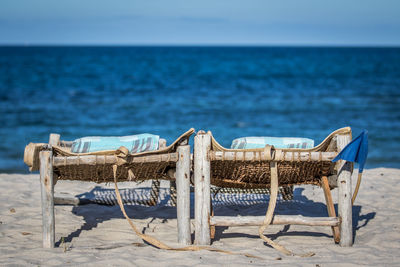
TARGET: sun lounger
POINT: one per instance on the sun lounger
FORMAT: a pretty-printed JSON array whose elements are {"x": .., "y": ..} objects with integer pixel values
[
  {"x": 56, "y": 162},
  {"x": 269, "y": 167}
]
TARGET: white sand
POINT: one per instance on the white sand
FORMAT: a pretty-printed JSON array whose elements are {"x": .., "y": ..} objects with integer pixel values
[{"x": 99, "y": 235}]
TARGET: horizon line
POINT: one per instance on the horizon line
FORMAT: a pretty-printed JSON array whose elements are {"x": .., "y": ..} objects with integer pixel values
[{"x": 197, "y": 45}]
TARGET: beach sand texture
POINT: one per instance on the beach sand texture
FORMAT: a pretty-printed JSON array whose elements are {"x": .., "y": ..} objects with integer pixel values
[{"x": 94, "y": 234}]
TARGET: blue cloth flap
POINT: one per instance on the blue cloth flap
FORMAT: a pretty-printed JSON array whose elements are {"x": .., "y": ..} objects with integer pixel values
[
  {"x": 134, "y": 143},
  {"x": 278, "y": 142},
  {"x": 356, "y": 151}
]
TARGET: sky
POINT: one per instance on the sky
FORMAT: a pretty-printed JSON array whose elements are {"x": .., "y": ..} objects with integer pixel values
[{"x": 205, "y": 22}]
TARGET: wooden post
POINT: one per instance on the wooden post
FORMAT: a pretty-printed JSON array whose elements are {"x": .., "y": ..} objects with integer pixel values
[
  {"x": 54, "y": 139},
  {"x": 47, "y": 191},
  {"x": 344, "y": 194},
  {"x": 330, "y": 207},
  {"x": 183, "y": 194},
  {"x": 202, "y": 143}
]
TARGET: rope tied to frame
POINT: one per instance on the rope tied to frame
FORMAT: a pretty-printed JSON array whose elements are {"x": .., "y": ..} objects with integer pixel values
[
  {"x": 270, "y": 153},
  {"x": 122, "y": 154}
]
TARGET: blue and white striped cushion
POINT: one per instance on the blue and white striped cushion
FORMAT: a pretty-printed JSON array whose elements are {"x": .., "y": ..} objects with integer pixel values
[
  {"x": 278, "y": 142},
  {"x": 134, "y": 143}
]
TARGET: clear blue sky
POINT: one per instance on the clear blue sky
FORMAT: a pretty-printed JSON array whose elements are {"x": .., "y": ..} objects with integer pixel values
[{"x": 233, "y": 22}]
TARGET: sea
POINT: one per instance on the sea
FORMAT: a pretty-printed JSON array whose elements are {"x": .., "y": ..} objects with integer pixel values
[{"x": 231, "y": 91}]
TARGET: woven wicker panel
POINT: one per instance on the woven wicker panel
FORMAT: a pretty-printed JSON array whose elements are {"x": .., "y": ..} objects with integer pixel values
[
  {"x": 104, "y": 173},
  {"x": 101, "y": 172},
  {"x": 242, "y": 174}
]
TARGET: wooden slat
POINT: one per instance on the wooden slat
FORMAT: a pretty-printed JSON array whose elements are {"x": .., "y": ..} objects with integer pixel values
[
  {"x": 110, "y": 159},
  {"x": 277, "y": 219}
]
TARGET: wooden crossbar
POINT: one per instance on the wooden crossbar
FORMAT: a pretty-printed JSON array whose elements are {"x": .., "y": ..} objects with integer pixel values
[{"x": 277, "y": 219}]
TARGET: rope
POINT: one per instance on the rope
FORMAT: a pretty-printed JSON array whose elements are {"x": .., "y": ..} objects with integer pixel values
[
  {"x": 122, "y": 153},
  {"x": 353, "y": 199},
  {"x": 121, "y": 158},
  {"x": 270, "y": 212}
]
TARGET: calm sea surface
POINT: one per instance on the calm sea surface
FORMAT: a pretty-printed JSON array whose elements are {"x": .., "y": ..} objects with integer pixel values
[{"x": 232, "y": 91}]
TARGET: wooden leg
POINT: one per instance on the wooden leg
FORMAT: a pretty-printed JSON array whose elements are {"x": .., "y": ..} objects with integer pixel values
[
  {"x": 54, "y": 139},
  {"x": 47, "y": 191},
  {"x": 330, "y": 207},
  {"x": 183, "y": 194},
  {"x": 202, "y": 143},
  {"x": 344, "y": 202},
  {"x": 212, "y": 227}
]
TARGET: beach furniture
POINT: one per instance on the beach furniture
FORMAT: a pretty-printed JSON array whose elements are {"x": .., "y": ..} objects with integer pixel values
[
  {"x": 270, "y": 167},
  {"x": 56, "y": 161}
]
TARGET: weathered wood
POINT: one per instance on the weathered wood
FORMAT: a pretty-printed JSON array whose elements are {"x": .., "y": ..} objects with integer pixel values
[
  {"x": 344, "y": 195},
  {"x": 54, "y": 139},
  {"x": 183, "y": 194},
  {"x": 66, "y": 199},
  {"x": 47, "y": 192},
  {"x": 277, "y": 219},
  {"x": 330, "y": 207},
  {"x": 110, "y": 159},
  {"x": 257, "y": 156},
  {"x": 202, "y": 143}
]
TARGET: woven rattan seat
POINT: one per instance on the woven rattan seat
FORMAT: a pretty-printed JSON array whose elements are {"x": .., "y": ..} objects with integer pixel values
[
  {"x": 255, "y": 173},
  {"x": 56, "y": 162},
  {"x": 97, "y": 166}
]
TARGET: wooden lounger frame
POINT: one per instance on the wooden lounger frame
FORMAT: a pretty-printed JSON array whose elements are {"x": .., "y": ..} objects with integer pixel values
[
  {"x": 204, "y": 221},
  {"x": 202, "y": 159},
  {"x": 48, "y": 179}
]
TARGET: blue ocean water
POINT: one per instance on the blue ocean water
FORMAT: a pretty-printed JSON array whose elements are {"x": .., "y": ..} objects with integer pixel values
[{"x": 232, "y": 91}]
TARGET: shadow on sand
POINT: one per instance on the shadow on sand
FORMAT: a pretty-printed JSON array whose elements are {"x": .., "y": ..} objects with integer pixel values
[{"x": 224, "y": 205}]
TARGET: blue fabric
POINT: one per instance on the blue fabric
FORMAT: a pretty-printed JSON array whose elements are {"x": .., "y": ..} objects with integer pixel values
[
  {"x": 134, "y": 143},
  {"x": 356, "y": 151},
  {"x": 278, "y": 142}
]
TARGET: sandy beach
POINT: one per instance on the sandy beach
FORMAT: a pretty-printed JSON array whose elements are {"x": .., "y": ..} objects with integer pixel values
[{"x": 96, "y": 234}]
